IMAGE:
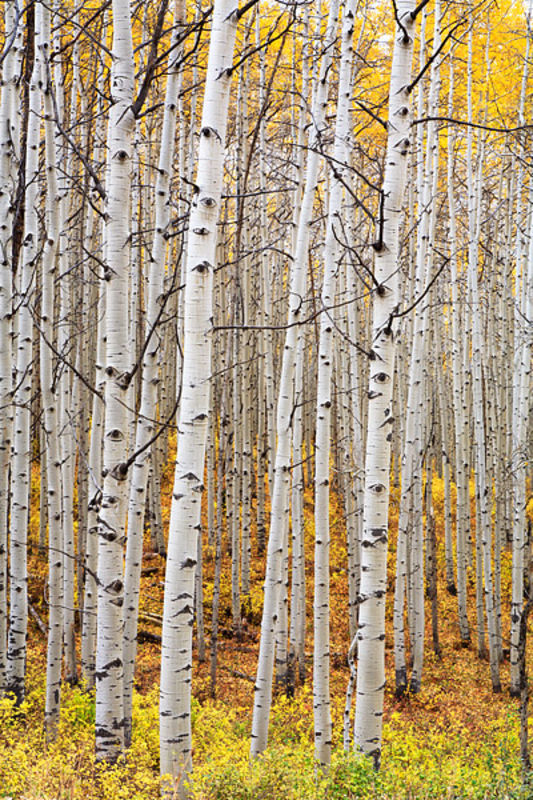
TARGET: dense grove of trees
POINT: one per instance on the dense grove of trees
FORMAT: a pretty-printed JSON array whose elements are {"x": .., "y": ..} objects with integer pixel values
[{"x": 280, "y": 245}]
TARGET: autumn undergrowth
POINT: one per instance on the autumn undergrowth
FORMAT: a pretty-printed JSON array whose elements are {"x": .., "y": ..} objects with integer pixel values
[
  {"x": 417, "y": 764},
  {"x": 453, "y": 741}
]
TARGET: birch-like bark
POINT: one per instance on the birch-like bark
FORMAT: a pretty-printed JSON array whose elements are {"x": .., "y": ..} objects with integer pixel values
[
  {"x": 9, "y": 108},
  {"x": 521, "y": 394},
  {"x": 371, "y": 633},
  {"x": 20, "y": 464},
  {"x": 281, "y": 487},
  {"x": 297, "y": 610},
  {"x": 112, "y": 518},
  {"x": 483, "y": 484},
  {"x": 64, "y": 395},
  {"x": 413, "y": 452},
  {"x": 234, "y": 510},
  {"x": 90, "y": 563},
  {"x": 94, "y": 494},
  {"x": 218, "y": 543},
  {"x": 265, "y": 391},
  {"x": 523, "y": 286},
  {"x": 443, "y": 394},
  {"x": 321, "y": 699},
  {"x": 176, "y": 655},
  {"x": 458, "y": 395},
  {"x": 150, "y": 374},
  {"x": 49, "y": 398}
]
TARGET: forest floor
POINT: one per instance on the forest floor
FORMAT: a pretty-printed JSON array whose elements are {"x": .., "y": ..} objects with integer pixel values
[{"x": 455, "y": 739}]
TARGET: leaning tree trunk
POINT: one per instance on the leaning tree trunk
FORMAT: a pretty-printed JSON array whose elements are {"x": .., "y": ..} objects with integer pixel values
[
  {"x": 176, "y": 655},
  {"x": 371, "y": 633}
]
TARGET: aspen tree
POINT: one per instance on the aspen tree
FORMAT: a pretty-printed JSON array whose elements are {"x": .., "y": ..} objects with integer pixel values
[
  {"x": 85, "y": 356},
  {"x": 280, "y": 493},
  {"x": 90, "y": 599},
  {"x": 351, "y": 379},
  {"x": 443, "y": 394},
  {"x": 349, "y": 477},
  {"x": 9, "y": 158},
  {"x": 150, "y": 370},
  {"x": 218, "y": 540},
  {"x": 9, "y": 108},
  {"x": 523, "y": 287},
  {"x": 94, "y": 495},
  {"x": 431, "y": 553},
  {"x": 20, "y": 491},
  {"x": 483, "y": 531},
  {"x": 297, "y": 611},
  {"x": 266, "y": 378},
  {"x": 64, "y": 394},
  {"x": 43, "y": 492},
  {"x": 176, "y": 655},
  {"x": 112, "y": 517},
  {"x": 521, "y": 393},
  {"x": 82, "y": 300},
  {"x": 413, "y": 451},
  {"x": 49, "y": 396},
  {"x": 321, "y": 700},
  {"x": 458, "y": 391},
  {"x": 282, "y": 621},
  {"x": 234, "y": 511},
  {"x": 371, "y": 633},
  {"x": 245, "y": 371}
]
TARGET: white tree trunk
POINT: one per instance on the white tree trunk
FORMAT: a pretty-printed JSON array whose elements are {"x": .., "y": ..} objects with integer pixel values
[
  {"x": 297, "y": 609},
  {"x": 371, "y": 634},
  {"x": 280, "y": 494},
  {"x": 483, "y": 482},
  {"x": 112, "y": 518},
  {"x": 20, "y": 464},
  {"x": 176, "y": 655},
  {"x": 65, "y": 404},
  {"x": 413, "y": 449},
  {"x": 150, "y": 376},
  {"x": 49, "y": 399},
  {"x": 458, "y": 397},
  {"x": 523, "y": 287},
  {"x": 94, "y": 494},
  {"x": 321, "y": 699},
  {"x": 9, "y": 108}
]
